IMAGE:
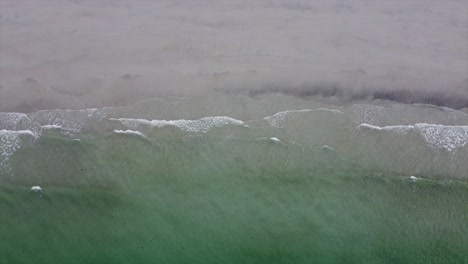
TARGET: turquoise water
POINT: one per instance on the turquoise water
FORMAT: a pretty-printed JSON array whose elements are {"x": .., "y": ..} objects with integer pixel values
[{"x": 231, "y": 192}]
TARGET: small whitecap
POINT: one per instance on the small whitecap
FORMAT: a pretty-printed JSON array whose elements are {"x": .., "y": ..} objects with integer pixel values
[
  {"x": 36, "y": 189},
  {"x": 130, "y": 132},
  {"x": 327, "y": 148}
]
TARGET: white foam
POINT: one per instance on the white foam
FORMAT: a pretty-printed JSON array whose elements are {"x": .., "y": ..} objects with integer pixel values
[
  {"x": 275, "y": 139},
  {"x": 130, "y": 132},
  {"x": 366, "y": 113},
  {"x": 413, "y": 178},
  {"x": 13, "y": 121},
  {"x": 69, "y": 122},
  {"x": 36, "y": 189},
  {"x": 10, "y": 142},
  {"x": 277, "y": 120},
  {"x": 437, "y": 136},
  {"x": 328, "y": 110},
  {"x": 199, "y": 125},
  {"x": 368, "y": 126},
  {"x": 52, "y": 127},
  {"x": 446, "y": 137},
  {"x": 400, "y": 129},
  {"x": 63, "y": 130},
  {"x": 18, "y": 132}
]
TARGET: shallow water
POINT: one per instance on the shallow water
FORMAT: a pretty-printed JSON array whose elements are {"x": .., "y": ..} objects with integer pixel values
[{"x": 267, "y": 180}]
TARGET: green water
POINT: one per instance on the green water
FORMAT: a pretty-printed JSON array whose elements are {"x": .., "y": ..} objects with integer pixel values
[{"x": 206, "y": 199}]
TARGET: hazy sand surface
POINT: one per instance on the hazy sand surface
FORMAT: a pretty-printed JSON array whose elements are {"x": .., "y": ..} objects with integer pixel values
[{"x": 77, "y": 54}]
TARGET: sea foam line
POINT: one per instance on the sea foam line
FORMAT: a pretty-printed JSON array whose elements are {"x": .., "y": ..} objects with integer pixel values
[
  {"x": 400, "y": 129},
  {"x": 199, "y": 125},
  {"x": 130, "y": 132},
  {"x": 52, "y": 127},
  {"x": 5, "y": 132}
]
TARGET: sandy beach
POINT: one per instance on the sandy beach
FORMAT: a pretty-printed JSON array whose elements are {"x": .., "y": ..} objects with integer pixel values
[{"x": 81, "y": 54}]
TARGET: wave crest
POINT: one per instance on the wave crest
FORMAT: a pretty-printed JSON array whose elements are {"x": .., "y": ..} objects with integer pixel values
[{"x": 199, "y": 125}]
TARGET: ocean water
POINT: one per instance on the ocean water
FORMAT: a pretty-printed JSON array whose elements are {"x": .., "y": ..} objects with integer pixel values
[{"x": 232, "y": 179}]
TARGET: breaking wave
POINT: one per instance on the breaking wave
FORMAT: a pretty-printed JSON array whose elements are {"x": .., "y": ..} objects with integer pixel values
[
  {"x": 10, "y": 142},
  {"x": 383, "y": 134},
  {"x": 438, "y": 136},
  {"x": 200, "y": 125}
]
